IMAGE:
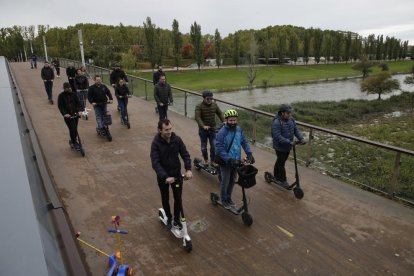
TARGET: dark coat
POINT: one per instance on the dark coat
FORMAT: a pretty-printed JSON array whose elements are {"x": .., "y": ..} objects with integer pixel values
[
  {"x": 99, "y": 94},
  {"x": 156, "y": 76},
  {"x": 71, "y": 72},
  {"x": 164, "y": 156},
  {"x": 283, "y": 132},
  {"x": 81, "y": 82},
  {"x": 118, "y": 74},
  {"x": 162, "y": 94},
  {"x": 121, "y": 91},
  {"x": 68, "y": 103},
  {"x": 47, "y": 73},
  {"x": 205, "y": 114}
]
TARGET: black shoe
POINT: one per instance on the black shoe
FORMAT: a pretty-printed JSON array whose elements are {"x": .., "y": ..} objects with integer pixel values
[
  {"x": 226, "y": 205},
  {"x": 177, "y": 224},
  {"x": 118, "y": 108},
  {"x": 169, "y": 226},
  {"x": 232, "y": 204}
]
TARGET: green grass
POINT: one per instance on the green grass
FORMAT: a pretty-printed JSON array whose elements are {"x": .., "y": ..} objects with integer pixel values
[{"x": 232, "y": 78}]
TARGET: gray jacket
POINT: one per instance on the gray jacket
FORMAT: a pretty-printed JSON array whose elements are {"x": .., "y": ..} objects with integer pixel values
[{"x": 162, "y": 94}]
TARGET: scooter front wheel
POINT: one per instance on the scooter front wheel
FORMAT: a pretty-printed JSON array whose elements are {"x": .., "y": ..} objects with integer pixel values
[
  {"x": 268, "y": 177},
  {"x": 247, "y": 219},
  {"x": 188, "y": 246},
  {"x": 298, "y": 192}
]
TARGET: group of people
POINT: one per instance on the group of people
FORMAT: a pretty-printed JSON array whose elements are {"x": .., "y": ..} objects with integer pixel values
[
  {"x": 226, "y": 141},
  {"x": 225, "y": 147}
]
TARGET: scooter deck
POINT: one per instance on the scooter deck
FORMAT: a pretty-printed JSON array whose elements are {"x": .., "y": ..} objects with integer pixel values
[
  {"x": 208, "y": 168},
  {"x": 271, "y": 179}
]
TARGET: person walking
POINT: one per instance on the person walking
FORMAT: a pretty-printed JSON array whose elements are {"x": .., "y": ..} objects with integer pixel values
[
  {"x": 284, "y": 130},
  {"x": 81, "y": 86},
  {"x": 229, "y": 141},
  {"x": 48, "y": 77},
  {"x": 71, "y": 74},
  {"x": 69, "y": 107},
  {"x": 166, "y": 148},
  {"x": 56, "y": 64},
  {"x": 163, "y": 97},
  {"x": 116, "y": 75},
  {"x": 205, "y": 115},
  {"x": 98, "y": 96},
  {"x": 33, "y": 61},
  {"x": 122, "y": 94},
  {"x": 156, "y": 78}
]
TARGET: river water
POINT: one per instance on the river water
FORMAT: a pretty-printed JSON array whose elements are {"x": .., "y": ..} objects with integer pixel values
[{"x": 324, "y": 91}]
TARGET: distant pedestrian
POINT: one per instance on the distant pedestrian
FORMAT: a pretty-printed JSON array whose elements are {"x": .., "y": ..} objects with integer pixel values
[
  {"x": 116, "y": 75},
  {"x": 33, "y": 61},
  {"x": 71, "y": 74},
  {"x": 157, "y": 74},
  {"x": 163, "y": 97},
  {"x": 48, "y": 77},
  {"x": 122, "y": 94},
  {"x": 56, "y": 64}
]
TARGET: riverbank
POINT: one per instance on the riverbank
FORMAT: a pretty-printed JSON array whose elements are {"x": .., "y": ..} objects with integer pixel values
[{"x": 230, "y": 79}]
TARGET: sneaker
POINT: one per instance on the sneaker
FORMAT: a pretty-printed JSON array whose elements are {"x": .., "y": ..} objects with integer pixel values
[
  {"x": 169, "y": 226},
  {"x": 283, "y": 183},
  {"x": 76, "y": 146},
  {"x": 226, "y": 205},
  {"x": 214, "y": 165},
  {"x": 122, "y": 122},
  {"x": 177, "y": 224},
  {"x": 232, "y": 204},
  {"x": 205, "y": 163}
]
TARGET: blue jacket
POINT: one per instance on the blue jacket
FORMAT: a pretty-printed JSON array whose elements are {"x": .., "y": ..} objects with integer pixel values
[
  {"x": 223, "y": 140},
  {"x": 283, "y": 132}
]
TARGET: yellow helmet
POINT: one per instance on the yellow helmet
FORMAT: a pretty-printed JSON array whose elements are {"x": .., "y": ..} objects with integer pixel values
[{"x": 230, "y": 113}]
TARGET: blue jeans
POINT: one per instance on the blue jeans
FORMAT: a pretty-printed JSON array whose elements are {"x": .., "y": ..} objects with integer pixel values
[
  {"x": 48, "y": 88},
  {"x": 100, "y": 110},
  {"x": 210, "y": 136},
  {"x": 82, "y": 95},
  {"x": 122, "y": 103},
  {"x": 228, "y": 177}
]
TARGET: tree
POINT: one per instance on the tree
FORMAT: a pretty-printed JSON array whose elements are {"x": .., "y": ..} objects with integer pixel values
[
  {"x": 317, "y": 44},
  {"x": 217, "y": 47},
  {"x": 251, "y": 59},
  {"x": 178, "y": 43},
  {"x": 384, "y": 66},
  {"x": 327, "y": 46},
  {"x": 348, "y": 42},
  {"x": 195, "y": 37},
  {"x": 281, "y": 46},
  {"x": 380, "y": 83},
  {"x": 236, "y": 49},
  {"x": 293, "y": 47},
  {"x": 306, "y": 46},
  {"x": 151, "y": 41},
  {"x": 364, "y": 66}
]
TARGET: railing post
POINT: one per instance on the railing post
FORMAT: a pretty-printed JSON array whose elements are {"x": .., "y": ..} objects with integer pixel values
[
  {"x": 255, "y": 128},
  {"x": 309, "y": 153},
  {"x": 185, "y": 103},
  {"x": 395, "y": 174},
  {"x": 146, "y": 91}
]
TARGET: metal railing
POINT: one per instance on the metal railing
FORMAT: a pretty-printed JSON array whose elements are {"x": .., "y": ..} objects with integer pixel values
[{"x": 255, "y": 121}]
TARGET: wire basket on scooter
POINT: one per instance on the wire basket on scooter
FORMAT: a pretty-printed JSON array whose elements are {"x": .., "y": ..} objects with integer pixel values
[
  {"x": 107, "y": 119},
  {"x": 247, "y": 176}
]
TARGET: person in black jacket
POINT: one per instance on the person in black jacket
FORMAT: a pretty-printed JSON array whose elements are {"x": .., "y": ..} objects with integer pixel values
[
  {"x": 117, "y": 74},
  {"x": 81, "y": 86},
  {"x": 156, "y": 78},
  {"x": 56, "y": 64},
  {"x": 68, "y": 104},
  {"x": 98, "y": 96},
  {"x": 48, "y": 76},
  {"x": 165, "y": 150},
  {"x": 122, "y": 94},
  {"x": 163, "y": 97},
  {"x": 71, "y": 73}
]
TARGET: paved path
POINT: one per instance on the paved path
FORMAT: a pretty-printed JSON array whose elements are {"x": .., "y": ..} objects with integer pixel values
[{"x": 336, "y": 229}]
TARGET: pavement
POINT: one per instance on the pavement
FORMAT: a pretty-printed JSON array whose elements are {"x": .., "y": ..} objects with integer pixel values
[{"x": 336, "y": 229}]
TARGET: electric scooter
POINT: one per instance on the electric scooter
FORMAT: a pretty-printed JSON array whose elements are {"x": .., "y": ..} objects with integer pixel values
[
  {"x": 297, "y": 190},
  {"x": 181, "y": 232},
  {"x": 246, "y": 179},
  {"x": 72, "y": 146},
  {"x": 107, "y": 121},
  {"x": 126, "y": 123},
  {"x": 199, "y": 165}
]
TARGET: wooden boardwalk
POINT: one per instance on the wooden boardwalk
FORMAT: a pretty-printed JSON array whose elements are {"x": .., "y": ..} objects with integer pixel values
[{"x": 336, "y": 229}]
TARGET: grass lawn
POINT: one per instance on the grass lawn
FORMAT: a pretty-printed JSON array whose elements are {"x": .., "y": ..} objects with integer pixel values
[{"x": 232, "y": 78}]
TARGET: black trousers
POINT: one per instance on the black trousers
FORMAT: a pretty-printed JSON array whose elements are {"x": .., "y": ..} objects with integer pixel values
[
  {"x": 48, "y": 88},
  {"x": 165, "y": 197},
  {"x": 279, "y": 170},
  {"x": 162, "y": 111},
  {"x": 73, "y": 128}
]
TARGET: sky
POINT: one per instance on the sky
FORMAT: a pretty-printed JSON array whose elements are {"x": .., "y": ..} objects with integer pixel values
[{"x": 392, "y": 18}]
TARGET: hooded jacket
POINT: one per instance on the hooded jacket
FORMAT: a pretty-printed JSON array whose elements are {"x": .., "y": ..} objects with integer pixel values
[
  {"x": 283, "y": 132},
  {"x": 164, "y": 156}
]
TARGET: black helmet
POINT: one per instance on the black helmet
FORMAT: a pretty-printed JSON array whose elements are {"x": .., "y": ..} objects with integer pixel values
[
  {"x": 207, "y": 93},
  {"x": 285, "y": 108}
]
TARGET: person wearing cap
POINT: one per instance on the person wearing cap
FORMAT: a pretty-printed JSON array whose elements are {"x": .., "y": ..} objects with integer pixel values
[
  {"x": 69, "y": 105},
  {"x": 205, "y": 115},
  {"x": 229, "y": 141},
  {"x": 284, "y": 130},
  {"x": 48, "y": 76},
  {"x": 163, "y": 97}
]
